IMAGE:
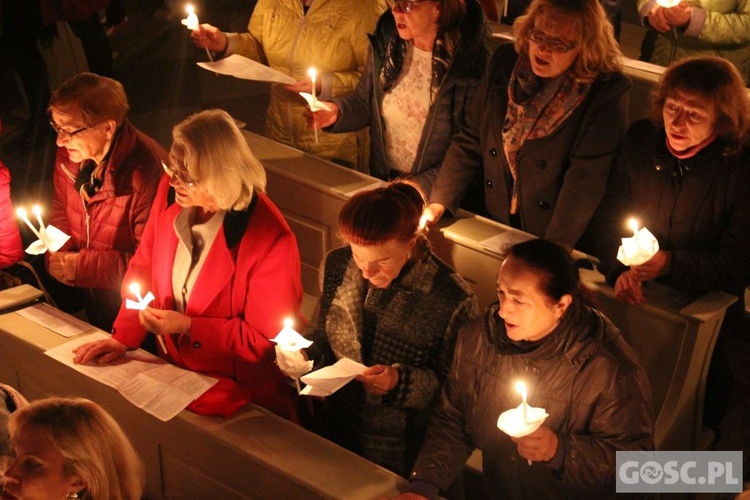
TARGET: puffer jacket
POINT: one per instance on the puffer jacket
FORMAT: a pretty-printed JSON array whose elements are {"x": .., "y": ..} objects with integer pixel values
[
  {"x": 697, "y": 208},
  {"x": 332, "y": 38},
  {"x": 561, "y": 177},
  {"x": 363, "y": 107},
  {"x": 586, "y": 377},
  {"x": 106, "y": 232},
  {"x": 717, "y": 27},
  {"x": 11, "y": 250}
]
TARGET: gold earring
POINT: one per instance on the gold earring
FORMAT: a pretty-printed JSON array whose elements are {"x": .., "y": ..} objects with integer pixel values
[{"x": 71, "y": 496}]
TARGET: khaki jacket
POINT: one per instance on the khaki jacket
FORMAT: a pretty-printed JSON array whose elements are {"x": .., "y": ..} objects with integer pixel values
[{"x": 332, "y": 38}]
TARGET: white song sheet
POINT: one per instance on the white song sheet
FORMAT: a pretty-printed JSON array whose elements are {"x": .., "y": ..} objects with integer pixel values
[
  {"x": 150, "y": 383},
  {"x": 54, "y": 319},
  {"x": 246, "y": 69},
  {"x": 330, "y": 379}
]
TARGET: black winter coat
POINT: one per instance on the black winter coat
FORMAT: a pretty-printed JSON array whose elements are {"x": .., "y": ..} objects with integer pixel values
[{"x": 584, "y": 374}]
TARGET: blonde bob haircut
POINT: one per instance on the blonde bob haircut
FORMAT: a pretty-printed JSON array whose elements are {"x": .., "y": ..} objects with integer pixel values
[
  {"x": 218, "y": 158},
  {"x": 97, "y": 98},
  {"x": 92, "y": 444},
  {"x": 595, "y": 37}
]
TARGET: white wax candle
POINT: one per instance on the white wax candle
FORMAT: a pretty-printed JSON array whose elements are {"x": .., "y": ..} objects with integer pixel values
[
  {"x": 136, "y": 290},
  {"x": 521, "y": 387},
  {"x": 22, "y": 214},
  {"x": 37, "y": 211}
]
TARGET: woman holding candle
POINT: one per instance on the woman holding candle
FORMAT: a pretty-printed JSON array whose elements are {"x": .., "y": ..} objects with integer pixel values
[
  {"x": 105, "y": 177},
  {"x": 292, "y": 36},
  {"x": 544, "y": 125},
  {"x": 224, "y": 269},
  {"x": 575, "y": 364},
  {"x": 684, "y": 175},
  {"x": 387, "y": 302},
  {"x": 702, "y": 27},
  {"x": 424, "y": 64}
]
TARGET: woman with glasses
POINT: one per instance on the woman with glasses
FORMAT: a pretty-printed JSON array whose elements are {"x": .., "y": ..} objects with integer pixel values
[
  {"x": 293, "y": 36},
  {"x": 425, "y": 62},
  {"x": 105, "y": 177},
  {"x": 544, "y": 125},
  {"x": 224, "y": 268}
]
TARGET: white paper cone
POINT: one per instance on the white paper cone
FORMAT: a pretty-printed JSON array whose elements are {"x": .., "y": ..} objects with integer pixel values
[{"x": 512, "y": 423}]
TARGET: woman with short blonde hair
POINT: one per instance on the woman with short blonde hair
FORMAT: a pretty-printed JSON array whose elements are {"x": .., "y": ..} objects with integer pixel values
[
  {"x": 78, "y": 448},
  {"x": 224, "y": 268},
  {"x": 209, "y": 139}
]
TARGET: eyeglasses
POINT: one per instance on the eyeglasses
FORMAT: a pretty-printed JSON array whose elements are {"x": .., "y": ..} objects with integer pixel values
[
  {"x": 174, "y": 174},
  {"x": 554, "y": 44},
  {"x": 65, "y": 133},
  {"x": 406, "y": 6}
]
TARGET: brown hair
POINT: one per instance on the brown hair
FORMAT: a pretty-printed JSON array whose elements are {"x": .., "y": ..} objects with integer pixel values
[
  {"x": 390, "y": 212},
  {"x": 595, "y": 38},
  {"x": 719, "y": 84},
  {"x": 98, "y": 98},
  {"x": 452, "y": 12}
]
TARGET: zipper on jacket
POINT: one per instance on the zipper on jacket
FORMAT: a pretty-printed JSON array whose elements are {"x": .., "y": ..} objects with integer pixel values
[{"x": 87, "y": 221}]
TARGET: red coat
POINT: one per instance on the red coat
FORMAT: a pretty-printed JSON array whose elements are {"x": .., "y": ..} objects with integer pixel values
[
  {"x": 248, "y": 284},
  {"x": 11, "y": 250},
  {"x": 116, "y": 214}
]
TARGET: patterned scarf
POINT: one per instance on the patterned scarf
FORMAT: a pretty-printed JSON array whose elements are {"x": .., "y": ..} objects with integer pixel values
[
  {"x": 90, "y": 178},
  {"x": 536, "y": 108},
  {"x": 442, "y": 58}
]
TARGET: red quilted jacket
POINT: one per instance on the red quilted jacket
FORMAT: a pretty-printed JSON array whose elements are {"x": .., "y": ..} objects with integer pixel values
[{"x": 106, "y": 232}]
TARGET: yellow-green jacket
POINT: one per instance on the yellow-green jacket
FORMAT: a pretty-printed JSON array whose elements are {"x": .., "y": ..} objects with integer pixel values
[
  {"x": 716, "y": 27},
  {"x": 332, "y": 38}
]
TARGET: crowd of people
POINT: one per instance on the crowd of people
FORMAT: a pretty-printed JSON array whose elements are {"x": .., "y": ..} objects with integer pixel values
[{"x": 535, "y": 135}]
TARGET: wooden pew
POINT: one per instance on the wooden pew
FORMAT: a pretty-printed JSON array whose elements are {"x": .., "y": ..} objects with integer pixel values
[{"x": 254, "y": 454}]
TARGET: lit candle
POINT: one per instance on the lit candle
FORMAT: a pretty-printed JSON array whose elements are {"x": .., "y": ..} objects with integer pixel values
[
  {"x": 314, "y": 107},
  {"x": 192, "y": 23},
  {"x": 668, "y": 4},
  {"x": 521, "y": 387},
  {"x": 37, "y": 211},
  {"x": 21, "y": 212},
  {"x": 136, "y": 290},
  {"x": 423, "y": 221},
  {"x": 633, "y": 224}
]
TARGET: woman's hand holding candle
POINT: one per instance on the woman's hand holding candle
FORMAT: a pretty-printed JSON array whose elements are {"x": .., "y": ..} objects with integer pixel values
[
  {"x": 164, "y": 321},
  {"x": 539, "y": 446}
]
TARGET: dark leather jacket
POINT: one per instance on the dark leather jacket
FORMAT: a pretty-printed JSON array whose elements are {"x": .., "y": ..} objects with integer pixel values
[{"x": 584, "y": 374}]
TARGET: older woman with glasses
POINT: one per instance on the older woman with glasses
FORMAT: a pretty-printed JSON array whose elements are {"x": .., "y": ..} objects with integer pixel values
[
  {"x": 425, "y": 62},
  {"x": 544, "y": 125},
  {"x": 224, "y": 268},
  {"x": 106, "y": 174}
]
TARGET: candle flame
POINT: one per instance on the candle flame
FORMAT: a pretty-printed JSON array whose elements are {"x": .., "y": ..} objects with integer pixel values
[
  {"x": 288, "y": 322},
  {"x": 313, "y": 74},
  {"x": 668, "y": 4},
  {"x": 189, "y": 9},
  {"x": 521, "y": 387},
  {"x": 135, "y": 289},
  {"x": 423, "y": 221},
  {"x": 36, "y": 210},
  {"x": 633, "y": 224},
  {"x": 21, "y": 212}
]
